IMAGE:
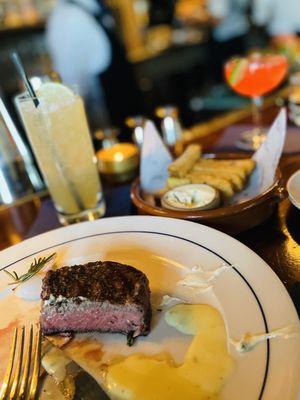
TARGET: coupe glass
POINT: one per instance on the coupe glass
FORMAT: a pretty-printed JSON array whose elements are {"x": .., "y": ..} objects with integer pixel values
[{"x": 255, "y": 76}]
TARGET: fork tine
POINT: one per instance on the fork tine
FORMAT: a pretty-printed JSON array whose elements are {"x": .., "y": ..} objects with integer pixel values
[
  {"x": 36, "y": 365},
  {"x": 9, "y": 369},
  {"x": 18, "y": 368},
  {"x": 26, "y": 370}
]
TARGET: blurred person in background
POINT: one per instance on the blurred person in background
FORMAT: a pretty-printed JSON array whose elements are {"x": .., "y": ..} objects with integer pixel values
[
  {"x": 80, "y": 50},
  {"x": 87, "y": 52},
  {"x": 230, "y": 27},
  {"x": 281, "y": 19}
]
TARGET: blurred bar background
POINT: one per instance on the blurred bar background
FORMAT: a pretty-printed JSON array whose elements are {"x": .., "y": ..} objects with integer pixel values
[
  {"x": 169, "y": 56},
  {"x": 168, "y": 43},
  {"x": 174, "y": 55}
]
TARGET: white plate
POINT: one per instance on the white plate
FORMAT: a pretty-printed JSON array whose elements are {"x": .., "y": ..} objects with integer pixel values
[
  {"x": 293, "y": 188},
  {"x": 250, "y": 296}
]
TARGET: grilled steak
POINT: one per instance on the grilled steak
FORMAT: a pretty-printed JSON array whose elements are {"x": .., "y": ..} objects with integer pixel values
[{"x": 98, "y": 296}]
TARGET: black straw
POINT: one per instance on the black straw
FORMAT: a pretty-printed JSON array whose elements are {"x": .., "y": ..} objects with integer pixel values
[{"x": 21, "y": 71}]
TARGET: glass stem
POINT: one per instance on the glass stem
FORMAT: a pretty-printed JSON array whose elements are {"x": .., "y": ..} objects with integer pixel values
[{"x": 257, "y": 102}]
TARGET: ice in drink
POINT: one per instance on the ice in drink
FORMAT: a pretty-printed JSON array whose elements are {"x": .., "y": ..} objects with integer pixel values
[{"x": 59, "y": 134}]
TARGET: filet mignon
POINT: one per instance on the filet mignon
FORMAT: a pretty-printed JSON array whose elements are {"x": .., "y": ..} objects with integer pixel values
[{"x": 97, "y": 296}]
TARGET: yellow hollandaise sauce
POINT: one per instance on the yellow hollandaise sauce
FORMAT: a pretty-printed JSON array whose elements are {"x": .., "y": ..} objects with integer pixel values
[{"x": 206, "y": 364}]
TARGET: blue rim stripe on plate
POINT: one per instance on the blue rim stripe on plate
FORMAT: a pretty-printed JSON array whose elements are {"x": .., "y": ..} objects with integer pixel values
[{"x": 189, "y": 241}]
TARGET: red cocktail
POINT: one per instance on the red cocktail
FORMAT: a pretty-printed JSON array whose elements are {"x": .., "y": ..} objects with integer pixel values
[{"x": 255, "y": 76}]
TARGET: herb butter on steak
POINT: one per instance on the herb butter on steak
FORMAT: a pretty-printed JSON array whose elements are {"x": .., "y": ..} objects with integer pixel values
[{"x": 97, "y": 296}]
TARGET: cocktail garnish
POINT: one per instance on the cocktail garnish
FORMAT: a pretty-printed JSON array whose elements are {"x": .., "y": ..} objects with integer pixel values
[{"x": 238, "y": 71}]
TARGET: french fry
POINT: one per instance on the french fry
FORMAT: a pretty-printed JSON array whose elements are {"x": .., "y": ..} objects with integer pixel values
[
  {"x": 182, "y": 165},
  {"x": 223, "y": 185},
  {"x": 218, "y": 165},
  {"x": 248, "y": 164},
  {"x": 226, "y": 173},
  {"x": 242, "y": 167}
]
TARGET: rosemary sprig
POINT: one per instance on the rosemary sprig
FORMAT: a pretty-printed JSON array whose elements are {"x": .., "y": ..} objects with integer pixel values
[
  {"x": 34, "y": 268},
  {"x": 130, "y": 339}
]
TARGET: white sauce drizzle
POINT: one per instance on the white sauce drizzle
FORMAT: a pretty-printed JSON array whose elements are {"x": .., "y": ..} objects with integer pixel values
[
  {"x": 200, "y": 279},
  {"x": 167, "y": 300},
  {"x": 249, "y": 341}
]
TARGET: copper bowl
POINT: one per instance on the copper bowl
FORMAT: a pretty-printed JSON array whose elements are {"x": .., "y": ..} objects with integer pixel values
[{"x": 230, "y": 219}]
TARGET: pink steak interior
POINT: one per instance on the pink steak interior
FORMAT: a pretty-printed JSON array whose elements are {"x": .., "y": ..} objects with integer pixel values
[{"x": 92, "y": 317}]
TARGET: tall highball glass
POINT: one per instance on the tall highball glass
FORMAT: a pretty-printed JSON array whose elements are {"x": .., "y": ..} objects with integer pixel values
[{"x": 58, "y": 131}]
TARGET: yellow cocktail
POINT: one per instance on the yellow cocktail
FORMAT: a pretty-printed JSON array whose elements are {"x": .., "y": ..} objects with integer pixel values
[{"x": 59, "y": 134}]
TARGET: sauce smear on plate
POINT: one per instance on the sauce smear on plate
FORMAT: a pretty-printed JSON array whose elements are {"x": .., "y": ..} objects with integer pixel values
[{"x": 206, "y": 365}]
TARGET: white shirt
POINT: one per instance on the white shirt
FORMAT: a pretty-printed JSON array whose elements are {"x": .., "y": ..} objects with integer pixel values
[
  {"x": 78, "y": 45},
  {"x": 232, "y": 16},
  {"x": 279, "y": 16}
]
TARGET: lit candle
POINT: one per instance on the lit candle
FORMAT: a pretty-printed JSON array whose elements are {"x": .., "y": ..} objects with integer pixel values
[{"x": 121, "y": 159}]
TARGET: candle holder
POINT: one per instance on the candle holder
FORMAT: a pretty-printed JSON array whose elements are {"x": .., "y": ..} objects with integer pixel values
[{"x": 118, "y": 163}]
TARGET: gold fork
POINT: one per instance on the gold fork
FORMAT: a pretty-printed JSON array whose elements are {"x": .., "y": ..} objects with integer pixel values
[{"x": 22, "y": 373}]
